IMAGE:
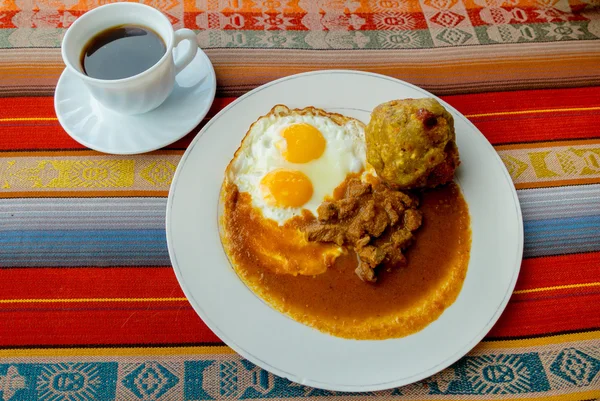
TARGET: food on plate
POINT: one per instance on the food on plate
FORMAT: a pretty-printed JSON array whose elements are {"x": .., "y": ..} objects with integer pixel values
[
  {"x": 303, "y": 213},
  {"x": 378, "y": 223},
  {"x": 411, "y": 143},
  {"x": 289, "y": 162}
]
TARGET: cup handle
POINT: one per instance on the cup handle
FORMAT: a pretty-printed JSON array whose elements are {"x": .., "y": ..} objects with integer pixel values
[{"x": 185, "y": 59}]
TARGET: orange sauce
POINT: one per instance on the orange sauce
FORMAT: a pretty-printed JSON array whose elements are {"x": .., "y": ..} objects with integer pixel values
[{"x": 402, "y": 302}]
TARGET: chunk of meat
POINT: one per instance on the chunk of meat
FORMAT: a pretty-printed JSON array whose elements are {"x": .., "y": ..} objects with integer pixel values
[
  {"x": 371, "y": 255},
  {"x": 325, "y": 233},
  {"x": 365, "y": 273},
  {"x": 374, "y": 220},
  {"x": 346, "y": 207},
  {"x": 327, "y": 211},
  {"x": 391, "y": 212},
  {"x": 380, "y": 222},
  {"x": 357, "y": 188},
  {"x": 412, "y": 219}
]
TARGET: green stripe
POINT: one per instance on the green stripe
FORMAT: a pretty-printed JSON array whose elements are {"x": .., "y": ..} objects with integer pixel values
[{"x": 534, "y": 33}]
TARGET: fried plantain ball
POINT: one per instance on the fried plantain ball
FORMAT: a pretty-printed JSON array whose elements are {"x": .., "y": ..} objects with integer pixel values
[{"x": 411, "y": 143}]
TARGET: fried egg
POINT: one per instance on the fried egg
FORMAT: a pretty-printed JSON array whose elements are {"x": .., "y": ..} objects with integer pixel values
[
  {"x": 292, "y": 160},
  {"x": 289, "y": 162}
]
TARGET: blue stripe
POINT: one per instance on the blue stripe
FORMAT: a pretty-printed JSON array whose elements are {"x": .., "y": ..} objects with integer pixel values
[
  {"x": 63, "y": 238},
  {"x": 561, "y": 236},
  {"x": 570, "y": 223},
  {"x": 83, "y": 248},
  {"x": 81, "y": 235}
]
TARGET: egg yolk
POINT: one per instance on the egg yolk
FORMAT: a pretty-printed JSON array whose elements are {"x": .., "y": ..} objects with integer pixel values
[
  {"x": 286, "y": 188},
  {"x": 304, "y": 143}
]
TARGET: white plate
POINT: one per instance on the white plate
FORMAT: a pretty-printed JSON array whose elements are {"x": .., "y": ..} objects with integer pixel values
[
  {"x": 297, "y": 352},
  {"x": 104, "y": 130}
]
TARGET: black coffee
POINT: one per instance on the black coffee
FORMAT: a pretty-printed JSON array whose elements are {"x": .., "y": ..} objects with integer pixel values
[{"x": 121, "y": 51}]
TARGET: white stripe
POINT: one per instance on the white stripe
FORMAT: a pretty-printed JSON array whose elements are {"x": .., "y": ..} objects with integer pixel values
[{"x": 560, "y": 202}]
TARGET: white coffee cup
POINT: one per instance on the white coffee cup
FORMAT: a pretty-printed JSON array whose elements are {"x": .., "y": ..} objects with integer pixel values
[{"x": 146, "y": 90}]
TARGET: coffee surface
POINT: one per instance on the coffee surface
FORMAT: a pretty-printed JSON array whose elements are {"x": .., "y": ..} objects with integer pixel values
[{"x": 121, "y": 52}]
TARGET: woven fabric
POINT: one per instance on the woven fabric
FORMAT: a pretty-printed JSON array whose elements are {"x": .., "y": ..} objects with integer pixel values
[
  {"x": 446, "y": 46},
  {"x": 90, "y": 307}
]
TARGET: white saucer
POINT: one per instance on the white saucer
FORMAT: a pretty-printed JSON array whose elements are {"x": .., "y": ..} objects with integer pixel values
[{"x": 98, "y": 128}]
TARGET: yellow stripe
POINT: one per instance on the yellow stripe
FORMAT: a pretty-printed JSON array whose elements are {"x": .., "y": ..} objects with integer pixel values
[
  {"x": 78, "y": 300},
  {"x": 133, "y": 351},
  {"x": 535, "y": 342},
  {"x": 510, "y": 113},
  {"x": 29, "y": 119},
  {"x": 500, "y": 113},
  {"x": 183, "y": 299},
  {"x": 558, "y": 287}
]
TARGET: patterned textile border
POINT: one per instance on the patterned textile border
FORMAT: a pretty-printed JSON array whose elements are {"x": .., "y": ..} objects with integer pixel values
[
  {"x": 326, "y": 24},
  {"x": 214, "y": 38},
  {"x": 86, "y": 173},
  {"x": 552, "y": 164},
  {"x": 539, "y": 369},
  {"x": 446, "y": 46}
]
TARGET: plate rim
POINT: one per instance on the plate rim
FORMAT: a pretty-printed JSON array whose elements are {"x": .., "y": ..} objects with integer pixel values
[
  {"x": 140, "y": 150},
  {"x": 315, "y": 383}
]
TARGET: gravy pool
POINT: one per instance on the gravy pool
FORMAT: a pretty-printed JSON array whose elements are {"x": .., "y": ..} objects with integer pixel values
[{"x": 402, "y": 302}]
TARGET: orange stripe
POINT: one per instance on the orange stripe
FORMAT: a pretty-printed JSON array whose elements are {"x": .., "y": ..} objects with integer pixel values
[
  {"x": 86, "y": 194},
  {"x": 539, "y": 341},
  {"x": 29, "y": 119},
  {"x": 183, "y": 299},
  {"x": 557, "y": 287},
  {"x": 513, "y": 113},
  {"x": 88, "y": 300},
  {"x": 500, "y": 113},
  {"x": 536, "y": 145},
  {"x": 110, "y": 351},
  {"x": 262, "y": 73},
  {"x": 20, "y": 68},
  {"x": 558, "y": 183}
]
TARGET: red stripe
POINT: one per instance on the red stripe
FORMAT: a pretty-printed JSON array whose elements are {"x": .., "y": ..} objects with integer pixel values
[
  {"x": 498, "y": 129},
  {"x": 160, "y": 282},
  {"x": 24, "y": 135},
  {"x": 141, "y": 324},
  {"x": 532, "y": 127},
  {"x": 557, "y": 313},
  {"x": 513, "y": 15},
  {"x": 254, "y": 21},
  {"x": 61, "y": 283},
  {"x": 539, "y": 99},
  {"x": 414, "y": 21},
  {"x": 542, "y": 312},
  {"x": 559, "y": 270},
  {"x": 153, "y": 323},
  {"x": 526, "y": 314},
  {"x": 26, "y": 107}
]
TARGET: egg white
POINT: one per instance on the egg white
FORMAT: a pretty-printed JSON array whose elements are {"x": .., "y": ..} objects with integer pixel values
[{"x": 259, "y": 154}]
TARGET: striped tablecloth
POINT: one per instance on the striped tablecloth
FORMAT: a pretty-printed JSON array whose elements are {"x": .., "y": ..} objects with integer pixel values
[{"x": 89, "y": 306}]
